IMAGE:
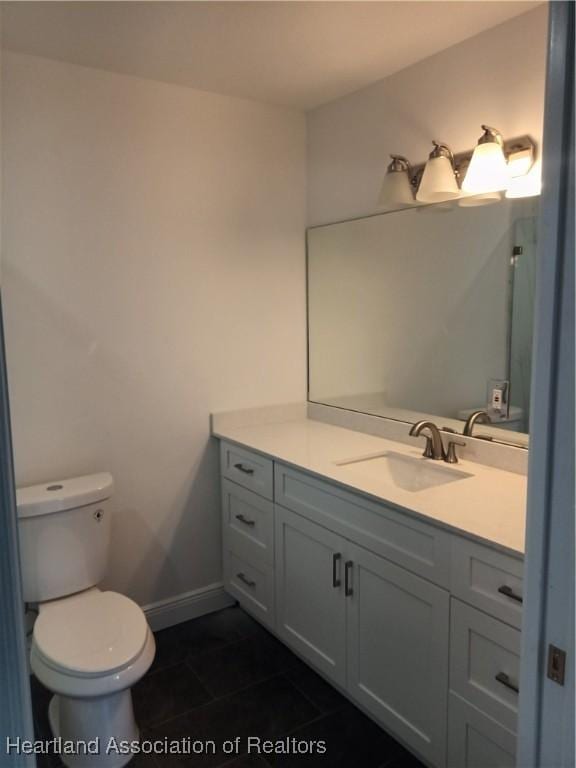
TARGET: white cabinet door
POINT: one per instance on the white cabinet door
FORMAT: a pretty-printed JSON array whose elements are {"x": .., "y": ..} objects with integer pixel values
[
  {"x": 398, "y": 651},
  {"x": 477, "y": 741},
  {"x": 310, "y": 604}
]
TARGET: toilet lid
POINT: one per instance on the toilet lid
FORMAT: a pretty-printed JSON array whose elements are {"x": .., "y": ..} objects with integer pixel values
[{"x": 92, "y": 633}]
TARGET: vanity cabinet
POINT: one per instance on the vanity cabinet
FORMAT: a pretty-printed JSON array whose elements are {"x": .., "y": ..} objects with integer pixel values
[{"x": 418, "y": 626}]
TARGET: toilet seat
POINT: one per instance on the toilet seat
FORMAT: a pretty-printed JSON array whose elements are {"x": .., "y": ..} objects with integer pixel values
[{"x": 90, "y": 634}]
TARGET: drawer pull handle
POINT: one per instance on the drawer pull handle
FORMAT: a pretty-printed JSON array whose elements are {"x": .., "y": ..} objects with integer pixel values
[
  {"x": 249, "y": 583},
  {"x": 336, "y": 581},
  {"x": 348, "y": 591},
  {"x": 503, "y": 678},
  {"x": 246, "y": 521},
  {"x": 509, "y": 592},
  {"x": 242, "y": 468}
]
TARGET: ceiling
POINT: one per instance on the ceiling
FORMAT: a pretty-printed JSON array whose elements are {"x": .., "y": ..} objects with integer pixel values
[{"x": 299, "y": 54}]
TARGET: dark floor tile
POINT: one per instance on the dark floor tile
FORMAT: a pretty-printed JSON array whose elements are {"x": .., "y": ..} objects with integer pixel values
[
  {"x": 247, "y": 761},
  {"x": 351, "y": 739},
  {"x": 403, "y": 759},
  {"x": 143, "y": 761},
  {"x": 167, "y": 693},
  {"x": 315, "y": 688},
  {"x": 170, "y": 648},
  {"x": 48, "y": 761},
  {"x": 269, "y": 710},
  {"x": 40, "y": 700},
  {"x": 206, "y": 633},
  {"x": 219, "y": 629},
  {"x": 241, "y": 664},
  {"x": 41, "y": 697}
]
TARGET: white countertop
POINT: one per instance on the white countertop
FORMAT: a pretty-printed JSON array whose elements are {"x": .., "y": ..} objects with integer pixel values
[{"x": 489, "y": 506}]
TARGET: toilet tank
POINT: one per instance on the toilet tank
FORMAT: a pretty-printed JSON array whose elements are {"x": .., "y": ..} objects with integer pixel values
[{"x": 64, "y": 534}]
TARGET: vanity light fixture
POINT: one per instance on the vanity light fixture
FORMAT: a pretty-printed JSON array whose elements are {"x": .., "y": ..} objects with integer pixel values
[
  {"x": 438, "y": 181},
  {"x": 494, "y": 167},
  {"x": 488, "y": 169},
  {"x": 397, "y": 189}
]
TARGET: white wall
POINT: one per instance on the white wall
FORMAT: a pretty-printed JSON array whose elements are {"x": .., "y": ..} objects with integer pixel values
[
  {"x": 153, "y": 271},
  {"x": 496, "y": 78}
]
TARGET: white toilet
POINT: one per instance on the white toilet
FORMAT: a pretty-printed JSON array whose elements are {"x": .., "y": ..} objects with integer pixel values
[{"x": 89, "y": 647}]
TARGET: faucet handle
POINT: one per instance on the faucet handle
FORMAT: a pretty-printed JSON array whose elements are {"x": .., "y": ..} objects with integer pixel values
[{"x": 451, "y": 457}]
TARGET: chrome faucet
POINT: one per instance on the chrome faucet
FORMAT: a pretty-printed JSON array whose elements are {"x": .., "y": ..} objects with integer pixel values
[
  {"x": 477, "y": 417},
  {"x": 434, "y": 448}
]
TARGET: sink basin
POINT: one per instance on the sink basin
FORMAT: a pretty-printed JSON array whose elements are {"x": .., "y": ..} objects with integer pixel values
[{"x": 406, "y": 472}]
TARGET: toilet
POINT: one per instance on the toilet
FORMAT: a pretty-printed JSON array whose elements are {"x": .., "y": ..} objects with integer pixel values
[{"x": 89, "y": 646}]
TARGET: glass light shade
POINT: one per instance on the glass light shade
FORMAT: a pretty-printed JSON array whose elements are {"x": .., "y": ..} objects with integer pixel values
[
  {"x": 438, "y": 181},
  {"x": 488, "y": 170},
  {"x": 396, "y": 190},
  {"x": 471, "y": 201}
]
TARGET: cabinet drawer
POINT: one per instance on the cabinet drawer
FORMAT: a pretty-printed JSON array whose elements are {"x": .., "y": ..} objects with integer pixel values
[
  {"x": 247, "y": 523},
  {"x": 246, "y": 468},
  {"x": 477, "y": 741},
  {"x": 488, "y": 579},
  {"x": 252, "y": 585},
  {"x": 419, "y": 547},
  {"x": 485, "y": 663}
]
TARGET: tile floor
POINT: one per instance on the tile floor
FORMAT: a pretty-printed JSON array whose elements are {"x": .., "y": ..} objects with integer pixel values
[{"x": 223, "y": 676}]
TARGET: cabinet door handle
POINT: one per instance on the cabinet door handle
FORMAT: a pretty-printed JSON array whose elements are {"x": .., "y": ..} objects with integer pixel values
[
  {"x": 336, "y": 581},
  {"x": 249, "y": 583},
  {"x": 503, "y": 678},
  {"x": 348, "y": 591},
  {"x": 509, "y": 592},
  {"x": 242, "y": 468},
  {"x": 246, "y": 521}
]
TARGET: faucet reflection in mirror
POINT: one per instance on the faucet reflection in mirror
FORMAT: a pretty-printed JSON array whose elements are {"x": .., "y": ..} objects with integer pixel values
[{"x": 475, "y": 177}]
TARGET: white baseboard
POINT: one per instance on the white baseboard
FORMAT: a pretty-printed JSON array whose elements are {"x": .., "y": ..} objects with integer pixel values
[{"x": 189, "y": 605}]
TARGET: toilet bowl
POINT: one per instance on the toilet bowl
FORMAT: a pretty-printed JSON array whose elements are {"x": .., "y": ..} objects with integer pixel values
[{"x": 89, "y": 647}]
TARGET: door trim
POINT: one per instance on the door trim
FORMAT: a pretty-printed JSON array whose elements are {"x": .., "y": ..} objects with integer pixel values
[{"x": 15, "y": 700}]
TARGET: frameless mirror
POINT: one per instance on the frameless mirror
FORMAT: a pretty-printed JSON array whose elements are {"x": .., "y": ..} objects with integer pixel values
[{"x": 426, "y": 312}]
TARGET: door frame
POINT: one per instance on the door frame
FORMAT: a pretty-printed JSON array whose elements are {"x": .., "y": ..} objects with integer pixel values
[
  {"x": 546, "y": 717},
  {"x": 15, "y": 699}
]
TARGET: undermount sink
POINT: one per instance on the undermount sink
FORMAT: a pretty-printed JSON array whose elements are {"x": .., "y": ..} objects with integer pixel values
[{"x": 406, "y": 472}]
